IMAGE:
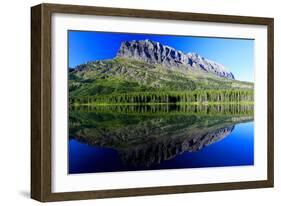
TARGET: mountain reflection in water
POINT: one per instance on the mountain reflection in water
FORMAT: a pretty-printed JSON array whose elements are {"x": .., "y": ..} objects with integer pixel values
[{"x": 146, "y": 136}]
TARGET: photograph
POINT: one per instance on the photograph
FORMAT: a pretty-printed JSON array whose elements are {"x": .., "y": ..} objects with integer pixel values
[
  {"x": 155, "y": 101},
  {"x": 134, "y": 102}
]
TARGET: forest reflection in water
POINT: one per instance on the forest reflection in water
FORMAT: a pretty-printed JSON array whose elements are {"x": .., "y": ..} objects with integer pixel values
[{"x": 142, "y": 137}]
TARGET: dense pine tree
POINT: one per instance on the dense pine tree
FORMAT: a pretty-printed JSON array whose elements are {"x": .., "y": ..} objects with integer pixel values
[{"x": 199, "y": 96}]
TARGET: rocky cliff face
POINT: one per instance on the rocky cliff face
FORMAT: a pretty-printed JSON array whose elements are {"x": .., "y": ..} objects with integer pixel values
[{"x": 156, "y": 53}]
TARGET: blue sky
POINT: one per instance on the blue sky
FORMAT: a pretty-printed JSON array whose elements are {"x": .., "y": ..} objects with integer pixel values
[{"x": 235, "y": 54}]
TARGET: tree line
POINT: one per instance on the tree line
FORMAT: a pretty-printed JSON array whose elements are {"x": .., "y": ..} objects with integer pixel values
[
  {"x": 216, "y": 109},
  {"x": 168, "y": 97}
]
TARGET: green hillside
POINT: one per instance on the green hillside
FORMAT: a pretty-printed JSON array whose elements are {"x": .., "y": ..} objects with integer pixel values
[{"x": 141, "y": 82}]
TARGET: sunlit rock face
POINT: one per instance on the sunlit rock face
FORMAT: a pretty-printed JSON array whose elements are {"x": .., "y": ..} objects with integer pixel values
[{"x": 156, "y": 53}]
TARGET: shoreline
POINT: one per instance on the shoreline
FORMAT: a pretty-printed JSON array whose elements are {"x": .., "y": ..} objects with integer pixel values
[{"x": 156, "y": 104}]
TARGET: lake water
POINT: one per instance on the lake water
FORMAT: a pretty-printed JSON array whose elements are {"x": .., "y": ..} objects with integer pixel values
[{"x": 167, "y": 137}]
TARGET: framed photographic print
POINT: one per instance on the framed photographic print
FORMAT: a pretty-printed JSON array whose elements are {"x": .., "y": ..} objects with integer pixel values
[{"x": 132, "y": 102}]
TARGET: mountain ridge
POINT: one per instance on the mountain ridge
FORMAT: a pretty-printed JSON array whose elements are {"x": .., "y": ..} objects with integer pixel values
[
  {"x": 134, "y": 73},
  {"x": 156, "y": 53}
]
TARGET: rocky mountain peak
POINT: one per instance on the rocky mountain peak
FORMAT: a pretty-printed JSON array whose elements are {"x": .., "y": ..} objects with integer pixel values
[{"x": 156, "y": 53}]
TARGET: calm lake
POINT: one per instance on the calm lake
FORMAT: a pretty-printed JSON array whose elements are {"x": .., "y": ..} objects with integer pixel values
[{"x": 152, "y": 137}]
